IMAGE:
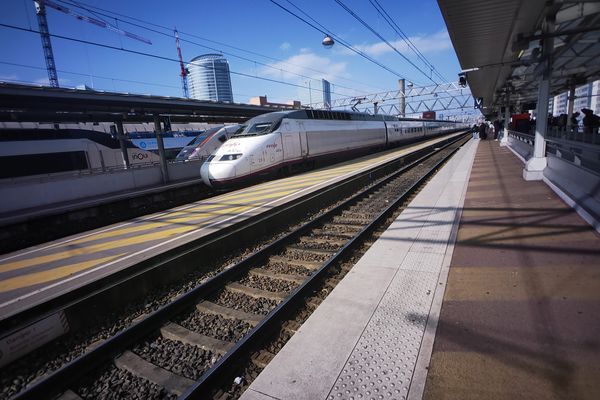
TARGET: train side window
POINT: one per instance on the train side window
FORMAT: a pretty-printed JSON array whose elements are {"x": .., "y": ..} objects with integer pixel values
[{"x": 222, "y": 138}]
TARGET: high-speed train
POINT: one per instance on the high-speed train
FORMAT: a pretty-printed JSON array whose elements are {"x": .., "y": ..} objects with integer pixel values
[
  {"x": 207, "y": 142},
  {"x": 26, "y": 152},
  {"x": 282, "y": 141}
]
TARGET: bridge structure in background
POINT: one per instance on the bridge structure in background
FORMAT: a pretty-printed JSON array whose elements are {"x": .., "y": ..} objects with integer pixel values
[{"x": 410, "y": 100}]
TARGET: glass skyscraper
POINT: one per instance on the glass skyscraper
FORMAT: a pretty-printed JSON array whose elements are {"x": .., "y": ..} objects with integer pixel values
[{"x": 209, "y": 78}]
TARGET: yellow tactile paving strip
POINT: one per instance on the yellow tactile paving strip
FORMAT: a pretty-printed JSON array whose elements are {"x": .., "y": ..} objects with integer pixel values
[{"x": 30, "y": 269}]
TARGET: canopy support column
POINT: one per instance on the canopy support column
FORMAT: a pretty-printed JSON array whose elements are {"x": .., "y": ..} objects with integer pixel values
[
  {"x": 158, "y": 130},
  {"x": 504, "y": 140},
  {"x": 534, "y": 168}
]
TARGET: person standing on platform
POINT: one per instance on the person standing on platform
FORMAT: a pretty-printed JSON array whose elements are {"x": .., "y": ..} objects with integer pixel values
[
  {"x": 482, "y": 134},
  {"x": 474, "y": 131},
  {"x": 500, "y": 129},
  {"x": 591, "y": 121},
  {"x": 575, "y": 121},
  {"x": 496, "y": 129}
]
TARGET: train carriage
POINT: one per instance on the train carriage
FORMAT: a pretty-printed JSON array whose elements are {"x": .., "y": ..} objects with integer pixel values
[{"x": 277, "y": 142}]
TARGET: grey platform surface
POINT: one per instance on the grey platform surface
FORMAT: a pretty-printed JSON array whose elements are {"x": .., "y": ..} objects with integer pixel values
[{"x": 370, "y": 338}]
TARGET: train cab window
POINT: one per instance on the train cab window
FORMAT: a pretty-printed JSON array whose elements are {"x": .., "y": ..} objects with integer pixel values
[
  {"x": 199, "y": 139},
  {"x": 261, "y": 125},
  {"x": 230, "y": 157},
  {"x": 222, "y": 138},
  {"x": 258, "y": 128},
  {"x": 275, "y": 126}
]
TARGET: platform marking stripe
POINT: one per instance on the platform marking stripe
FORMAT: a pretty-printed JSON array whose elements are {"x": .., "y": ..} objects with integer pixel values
[
  {"x": 123, "y": 231},
  {"x": 155, "y": 246},
  {"x": 51, "y": 275},
  {"x": 353, "y": 167},
  {"x": 91, "y": 249},
  {"x": 226, "y": 207},
  {"x": 192, "y": 206},
  {"x": 136, "y": 240},
  {"x": 99, "y": 267}
]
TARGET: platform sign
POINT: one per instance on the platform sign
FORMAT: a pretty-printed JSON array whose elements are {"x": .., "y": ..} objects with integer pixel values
[{"x": 24, "y": 341}]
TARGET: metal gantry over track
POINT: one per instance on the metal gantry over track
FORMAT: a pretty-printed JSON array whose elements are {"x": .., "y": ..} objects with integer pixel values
[{"x": 410, "y": 101}]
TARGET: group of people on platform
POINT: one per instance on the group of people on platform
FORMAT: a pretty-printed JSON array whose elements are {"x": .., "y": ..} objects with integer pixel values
[
  {"x": 591, "y": 121},
  {"x": 487, "y": 129}
]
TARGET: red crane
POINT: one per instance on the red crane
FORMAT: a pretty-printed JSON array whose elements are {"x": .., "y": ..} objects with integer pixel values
[{"x": 184, "y": 71}]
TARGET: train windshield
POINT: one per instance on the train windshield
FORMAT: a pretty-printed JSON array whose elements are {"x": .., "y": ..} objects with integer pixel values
[
  {"x": 201, "y": 137},
  {"x": 261, "y": 125}
]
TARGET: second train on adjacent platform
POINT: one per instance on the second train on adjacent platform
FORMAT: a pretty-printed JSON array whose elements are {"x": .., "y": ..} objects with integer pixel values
[{"x": 281, "y": 141}]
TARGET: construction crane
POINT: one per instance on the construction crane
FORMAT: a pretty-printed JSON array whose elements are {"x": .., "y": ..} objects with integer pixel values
[
  {"x": 184, "y": 71},
  {"x": 40, "y": 10}
]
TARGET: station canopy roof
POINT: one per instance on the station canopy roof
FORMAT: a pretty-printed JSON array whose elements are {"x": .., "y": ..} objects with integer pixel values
[{"x": 500, "y": 41}]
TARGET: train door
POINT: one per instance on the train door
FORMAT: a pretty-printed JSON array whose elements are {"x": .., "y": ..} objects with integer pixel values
[
  {"x": 290, "y": 141},
  {"x": 303, "y": 141}
]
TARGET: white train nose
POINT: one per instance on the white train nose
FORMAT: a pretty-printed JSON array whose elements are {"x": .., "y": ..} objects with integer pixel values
[
  {"x": 205, "y": 174},
  {"x": 215, "y": 173}
]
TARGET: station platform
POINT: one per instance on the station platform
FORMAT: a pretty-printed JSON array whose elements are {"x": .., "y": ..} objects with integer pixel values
[
  {"x": 485, "y": 287},
  {"x": 38, "y": 274}
]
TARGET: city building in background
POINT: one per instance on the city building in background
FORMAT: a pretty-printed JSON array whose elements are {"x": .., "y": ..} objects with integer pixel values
[
  {"x": 586, "y": 96},
  {"x": 583, "y": 97},
  {"x": 262, "y": 101},
  {"x": 595, "y": 97},
  {"x": 560, "y": 104},
  {"x": 326, "y": 94},
  {"x": 209, "y": 78}
]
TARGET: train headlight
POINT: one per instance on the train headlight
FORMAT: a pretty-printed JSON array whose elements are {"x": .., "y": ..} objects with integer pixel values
[{"x": 230, "y": 157}]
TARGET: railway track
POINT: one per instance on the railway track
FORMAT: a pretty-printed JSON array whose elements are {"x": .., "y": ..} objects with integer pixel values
[{"x": 193, "y": 345}]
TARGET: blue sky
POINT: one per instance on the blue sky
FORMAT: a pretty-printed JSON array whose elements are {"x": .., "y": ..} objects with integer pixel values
[{"x": 253, "y": 28}]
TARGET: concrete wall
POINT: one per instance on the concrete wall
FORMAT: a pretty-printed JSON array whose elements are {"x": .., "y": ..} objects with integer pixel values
[
  {"x": 46, "y": 191},
  {"x": 580, "y": 185}
]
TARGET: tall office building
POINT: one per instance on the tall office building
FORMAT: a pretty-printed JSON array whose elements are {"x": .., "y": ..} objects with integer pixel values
[
  {"x": 583, "y": 97},
  {"x": 595, "y": 97},
  {"x": 326, "y": 93},
  {"x": 560, "y": 104},
  {"x": 209, "y": 78}
]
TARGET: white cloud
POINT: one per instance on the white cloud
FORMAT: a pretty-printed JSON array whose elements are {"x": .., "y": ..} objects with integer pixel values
[
  {"x": 305, "y": 50},
  {"x": 285, "y": 46},
  {"x": 306, "y": 64},
  {"x": 9, "y": 77},
  {"x": 46, "y": 82},
  {"x": 42, "y": 81},
  {"x": 425, "y": 43}
]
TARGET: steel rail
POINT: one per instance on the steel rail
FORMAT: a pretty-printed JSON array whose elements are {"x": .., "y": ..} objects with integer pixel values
[
  {"x": 224, "y": 366},
  {"x": 71, "y": 372}
]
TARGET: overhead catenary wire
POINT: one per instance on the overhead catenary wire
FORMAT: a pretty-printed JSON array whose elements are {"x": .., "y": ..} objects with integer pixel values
[
  {"x": 156, "y": 56},
  {"x": 325, "y": 31},
  {"x": 384, "y": 14},
  {"x": 370, "y": 28},
  {"x": 182, "y": 33},
  {"x": 83, "y": 74},
  {"x": 108, "y": 78}
]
